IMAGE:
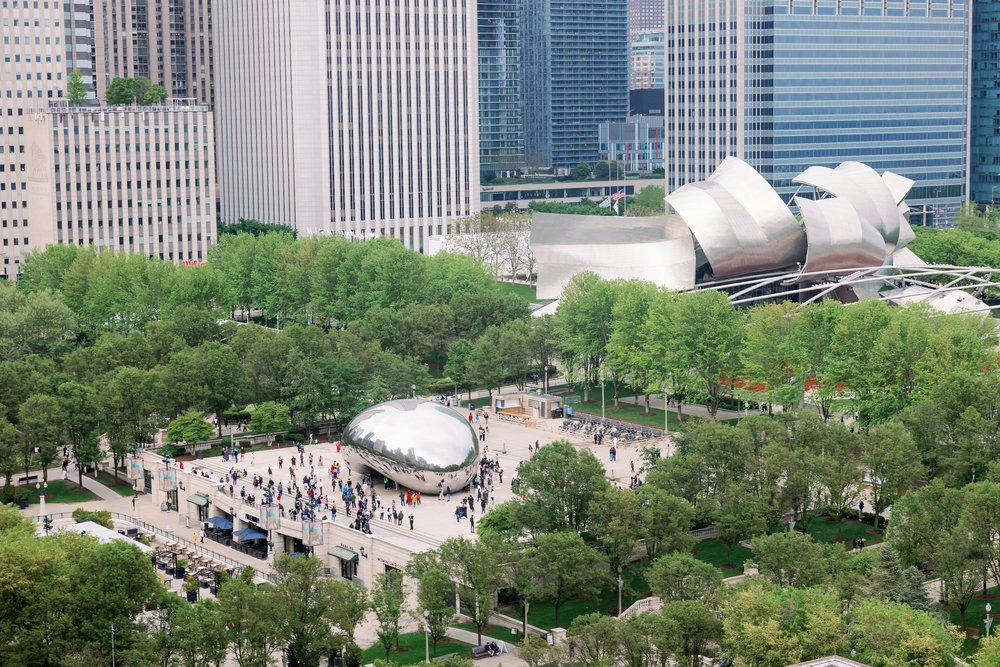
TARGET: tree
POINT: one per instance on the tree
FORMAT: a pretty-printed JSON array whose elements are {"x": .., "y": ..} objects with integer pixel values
[
  {"x": 76, "y": 89},
  {"x": 387, "y": 600},
  {"x": 199, "y": 634},
  {"x": 707, "y": 338},
  {"x": 889, "y": 581},
  {"x": 213, "y": 374},
  {"x": 582, "y": 172},
  {"x": 566, "y": 568},
  {"x": 433, "y": 608},
  {"x": 270, "y": 417},
  {"x": 129, "y": 396},
  {"x": 190, "y": 427},
  {"x": 893, "y": 461},
  {"x": 886, "y": 634},
  {"x": 80, "y": 412},
  {"x": 41, "y": 428},
  {"x": 792, "y": 559},
  {"x": 10, "y": 451},
  {"x": 740, "y": 517},
  {"x": 696, "y": 626},
  {"x": 558, "y": 484},
  {"x": 681, "y": 576},
  {"x": 475, "y": 569},
  {"x": 666, "y": 522},
  {"x": 253, "y": 630},
  {"x": 300, "y": 604},
  {"x": 456, "y": 367},
  {"x": 839, "y": 473},
  {"x": 768, "y": 350},
  {"x": 137, "y": 90},
  {"x": 584, "y": 324},
  {"x": 595, "y": 638},
  {"x": 484, "y": 365},
  {"x": 349, "y": 605},
  {"x": 619, "y": 534}
]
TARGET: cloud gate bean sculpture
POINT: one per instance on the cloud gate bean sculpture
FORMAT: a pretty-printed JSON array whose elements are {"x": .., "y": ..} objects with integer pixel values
[{"x": 421, "y": 445}]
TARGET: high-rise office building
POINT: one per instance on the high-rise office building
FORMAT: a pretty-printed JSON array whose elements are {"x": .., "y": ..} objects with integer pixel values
[
  {"x": 644, "y": 15},
  {"x": 646, "y": 56},
  {"x": 166, "y": 41},
  {"x": 574, "y": 77},
  {"x": 501, "y": 129},
  {"x": 985, "y": 168},
  {"x": 365, "y": 124},
  {"x": 79, "y": 22},
  {"x": 786, "y": 84},
  {"x": 125, "y": 179},
  {"x": 34, "y": 71}
]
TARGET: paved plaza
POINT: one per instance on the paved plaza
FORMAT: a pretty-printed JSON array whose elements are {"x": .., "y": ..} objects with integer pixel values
[{"x": 433, "y": 518}]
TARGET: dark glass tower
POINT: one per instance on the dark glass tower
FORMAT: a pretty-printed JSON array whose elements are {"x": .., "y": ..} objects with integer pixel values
[
  {"x": 985, "y": 159},
  {"x": 575, "y": 76},
  {"x": 501, "y": 128}
]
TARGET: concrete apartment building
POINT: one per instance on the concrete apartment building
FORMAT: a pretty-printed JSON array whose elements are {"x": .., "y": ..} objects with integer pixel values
[
  {"x": 34, "y": 69},
  {"x": 126, "y": 179},
  {"x": 167, "y": 41},
  {"x": 353, "y": 117}
]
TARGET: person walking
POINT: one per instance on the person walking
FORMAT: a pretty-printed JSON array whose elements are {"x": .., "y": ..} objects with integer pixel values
[
  {"x": 411, "y": 521},
  {"x": 472, "y": 524}
]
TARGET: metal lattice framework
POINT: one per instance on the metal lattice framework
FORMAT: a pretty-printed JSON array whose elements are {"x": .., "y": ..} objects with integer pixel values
[{"x": 812, "y": 286}]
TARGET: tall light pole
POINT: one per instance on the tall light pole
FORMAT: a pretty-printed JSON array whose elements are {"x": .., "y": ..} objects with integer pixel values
[
  {"x": 427, "y": 635},
  {"x": 666, "y": 423},
  {"x": 989, "y": 621},
  {"x": 41, "y": 498}
]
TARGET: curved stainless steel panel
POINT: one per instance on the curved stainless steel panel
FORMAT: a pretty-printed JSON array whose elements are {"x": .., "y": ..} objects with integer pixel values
[
  {"x": 838, "y": 184},
  {"x": 740, "y": 222},
  {"x": 838, "y": 238},
  {"x": 422, "y": 445},
  {"x": 658, "y": 249},
  {"x": 785, "y": 235},
  {"x": 868, "y": 180},
  {"x": 899, "y": 186},
  {"x": 906, "y": 233}
]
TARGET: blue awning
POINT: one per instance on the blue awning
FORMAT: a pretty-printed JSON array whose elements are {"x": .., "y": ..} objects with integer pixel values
[
  {"x": 253, "y": 535},
  {"x": 219, "y": 522},
  {"x": 243, "y": 531}
]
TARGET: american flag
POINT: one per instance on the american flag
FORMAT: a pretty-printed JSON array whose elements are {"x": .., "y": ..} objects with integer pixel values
[{"x": 618, "y": 195}]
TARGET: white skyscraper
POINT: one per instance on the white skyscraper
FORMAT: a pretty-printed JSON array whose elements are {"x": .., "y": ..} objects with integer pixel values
[{"x": 349, "y": 116}]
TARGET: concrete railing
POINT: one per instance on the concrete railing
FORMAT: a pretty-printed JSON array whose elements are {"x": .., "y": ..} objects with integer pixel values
[{"x": 643, "y": 606}]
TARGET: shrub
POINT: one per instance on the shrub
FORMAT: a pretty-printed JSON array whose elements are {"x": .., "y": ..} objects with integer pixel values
[
  {"x": 101, "y": 517},
  {"x": 169, "y": 451}
]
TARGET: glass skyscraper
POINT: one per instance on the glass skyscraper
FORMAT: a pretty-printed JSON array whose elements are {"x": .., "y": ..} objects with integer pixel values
[
  {"x": 985, "y": 177},
  {"x": 575, "y": 68},
  {"x": 787, "y": 84},
  {"x": 501, "y": 128}
]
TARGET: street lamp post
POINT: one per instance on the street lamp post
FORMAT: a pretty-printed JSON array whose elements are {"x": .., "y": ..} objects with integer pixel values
[
  {"x": 602, "y": 391},
  {"x": 427, "y": 635},
  {"x": 989, "y": 621},
  {"x": 666, "y": 403},
  {"x": 41, "y": 498},
  {"x": 413, "y": 388}
]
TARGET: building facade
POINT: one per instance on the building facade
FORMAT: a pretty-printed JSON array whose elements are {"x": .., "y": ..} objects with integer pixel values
[
  {"x": 166, "y": 41},
  {"x": 646, "y": 54},
  {"x": 644, "y": 15},
  {"x": 575, "y": 61},
  {"x": 34, "y": 71},
  {"x": 79, "y": 35},
  {"x": 637, "y": 144},
  {"x": 136, "y": 179},
  {"x": 367, "y": 125},
  {"x": 501, "y": 128},
  {"x": 985, "y": 174},
  {"x": 787, "y": 84}
]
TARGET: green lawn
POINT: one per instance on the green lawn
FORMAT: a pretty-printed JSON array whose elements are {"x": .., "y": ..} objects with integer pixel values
[
  {"x": 122, "y": 486},
  {"x": 974, "y": 616},
  {"x": 543, "y": 614},
  {"x": 411, "y": 650},
  {"x": 626, "y": 411},
  {"x": 59, "y": 491},
  {"x": 714, "y": 553},
  {"x": 494, "y": 632},
  {"x": 825, "y": 530},
  {"x": 526, "y": 292}
]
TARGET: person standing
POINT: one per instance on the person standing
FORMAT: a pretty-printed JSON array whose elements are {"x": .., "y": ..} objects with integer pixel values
[
  {"x": 472, "y": 523},
  {"x": 411, "y": 521}
]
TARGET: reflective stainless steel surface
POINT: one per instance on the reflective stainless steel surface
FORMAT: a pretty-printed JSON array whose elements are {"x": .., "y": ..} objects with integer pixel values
[
  {"x": 421, "y": 445},
  {"x": 838, "y": 237},
  {"x": 658, "y": 249},
  {"x": 739, "y": 221}
]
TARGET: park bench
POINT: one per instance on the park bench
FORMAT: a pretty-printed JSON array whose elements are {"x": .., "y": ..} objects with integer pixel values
[
  {"x": 28, "y": 479},
  {"x": 442, "y": 658}
]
